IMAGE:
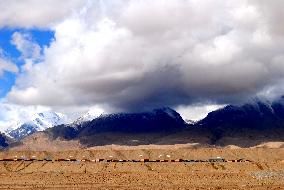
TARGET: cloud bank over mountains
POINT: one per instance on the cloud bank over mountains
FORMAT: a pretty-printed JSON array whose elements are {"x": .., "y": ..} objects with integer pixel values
[{"x": 135, "y": 55}]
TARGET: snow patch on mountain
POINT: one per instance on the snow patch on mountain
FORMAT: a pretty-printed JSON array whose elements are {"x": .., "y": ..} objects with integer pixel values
[
  {"x": 190, "y": 122},
  {"x": 38, "y": 122}
]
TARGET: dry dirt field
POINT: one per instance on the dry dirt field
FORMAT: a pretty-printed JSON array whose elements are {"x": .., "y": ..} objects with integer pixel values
[{"x": 265, "y": 171}]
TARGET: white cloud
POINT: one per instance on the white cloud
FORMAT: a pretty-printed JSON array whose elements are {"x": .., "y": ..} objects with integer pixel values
[
  {"x": 6, "y": 64},
  {"x": 198, "y": 111},
  {"x": 34, "y": 13},
  {"x": 145, "y": 54},
  {"x": 24, "y": 43},
  {"x": 222, "y": 50}
]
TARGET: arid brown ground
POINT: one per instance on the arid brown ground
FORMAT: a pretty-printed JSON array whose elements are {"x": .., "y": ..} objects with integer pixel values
[{"x": 265, "y": 171}]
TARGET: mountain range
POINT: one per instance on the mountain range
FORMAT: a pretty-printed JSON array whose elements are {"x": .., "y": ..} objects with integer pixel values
[
  {"x": 243, "y": 125},
  {"x": 122, "y": 128}
]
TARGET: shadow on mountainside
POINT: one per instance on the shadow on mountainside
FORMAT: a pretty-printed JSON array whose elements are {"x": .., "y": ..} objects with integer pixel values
[{"x": 203, "y": 137}]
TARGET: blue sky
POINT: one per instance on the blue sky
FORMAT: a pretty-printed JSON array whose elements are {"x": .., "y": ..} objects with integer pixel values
[{"x": 41, "y": 37}]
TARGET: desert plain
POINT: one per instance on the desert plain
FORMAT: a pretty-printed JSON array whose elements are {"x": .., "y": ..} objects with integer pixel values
[{"x": 78, "y": 169}]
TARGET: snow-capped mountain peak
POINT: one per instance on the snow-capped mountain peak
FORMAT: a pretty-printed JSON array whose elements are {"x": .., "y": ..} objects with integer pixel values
[
  {"x": 88, "y": 116},
  {"x": 37, "y": 122},
  {"x": 48, "y": 119}
]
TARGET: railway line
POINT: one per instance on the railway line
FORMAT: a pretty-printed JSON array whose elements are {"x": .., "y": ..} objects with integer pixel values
[{"x": 211, "y": 160}]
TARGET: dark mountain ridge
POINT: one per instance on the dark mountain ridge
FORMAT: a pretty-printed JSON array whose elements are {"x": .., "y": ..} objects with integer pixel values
[
  {"x": 257, "y": 115},
  {"x": 159, "y": 122},
  {"x": 256, "y": 121},
  {"x": 243, "y": 125}
]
